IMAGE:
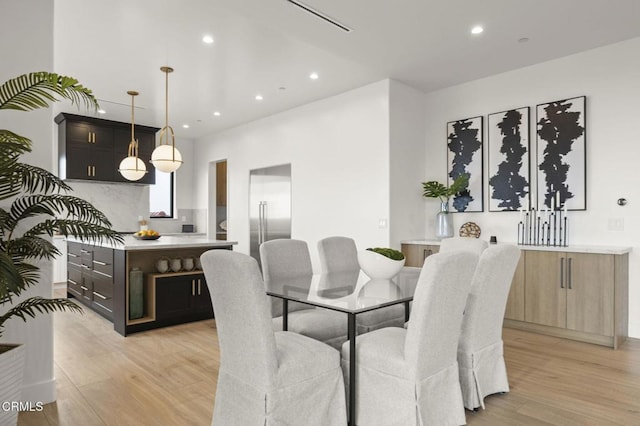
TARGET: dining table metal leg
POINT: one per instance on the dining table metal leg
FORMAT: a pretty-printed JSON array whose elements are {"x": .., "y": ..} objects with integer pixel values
[
  {"x": 285, "y": 314},
  {"x": 351, "y": 334},
  {"x": 406, "y": 311}
]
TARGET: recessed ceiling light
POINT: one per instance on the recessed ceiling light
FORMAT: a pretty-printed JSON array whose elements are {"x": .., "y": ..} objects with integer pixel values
[
  {"x": 207, "y": 39},
  {"x": 186, "y": 126},
  {"x": 101, "y": 111},
  {"x": 259, "y": 97},
  {"x": 314, "y": 76},
  {"x": 217, "y": 113},
  {"x": 477, "y": 29}
]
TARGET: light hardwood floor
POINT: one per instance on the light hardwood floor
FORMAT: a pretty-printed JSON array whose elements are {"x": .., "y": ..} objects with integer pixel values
[{"x": 168, "y": 376}]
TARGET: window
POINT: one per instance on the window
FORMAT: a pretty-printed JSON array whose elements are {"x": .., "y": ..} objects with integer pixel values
[{"x": 161, "y": 195}]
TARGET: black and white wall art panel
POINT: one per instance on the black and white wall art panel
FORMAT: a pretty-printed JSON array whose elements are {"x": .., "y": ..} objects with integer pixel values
[
  {"x": 561, "y": 154},
  {"x": 508, "y": 160},
  {"x": 464, "y": 155}
]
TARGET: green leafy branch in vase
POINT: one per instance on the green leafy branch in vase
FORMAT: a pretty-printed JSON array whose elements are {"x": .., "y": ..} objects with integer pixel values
[{"x": 435, "y": 189}]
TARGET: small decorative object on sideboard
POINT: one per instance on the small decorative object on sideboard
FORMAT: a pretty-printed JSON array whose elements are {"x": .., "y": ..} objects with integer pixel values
[
  {"x": 381, "y": 263},
  {"x": 546, "y": 227},
  {"x": 434, "y": 189},
  {"x": 470, "y": 229}
]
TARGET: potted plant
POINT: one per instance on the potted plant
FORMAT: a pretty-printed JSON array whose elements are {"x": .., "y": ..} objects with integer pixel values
[
  {"x": 435, "y": 189},
  {"x": 381, "y": 262},
  {"x": 34, "y": 204}
]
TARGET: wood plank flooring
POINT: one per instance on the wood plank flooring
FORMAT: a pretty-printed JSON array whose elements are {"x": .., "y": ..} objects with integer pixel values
[{"x": 168, "y": 377}]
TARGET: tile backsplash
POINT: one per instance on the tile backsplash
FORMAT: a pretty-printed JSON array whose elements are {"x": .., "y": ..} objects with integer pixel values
[{"x": 123, "y": 204}]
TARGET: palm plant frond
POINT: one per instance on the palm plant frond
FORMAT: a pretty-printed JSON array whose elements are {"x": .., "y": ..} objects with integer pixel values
[
  {"x": 34, "y": 305},
  {"x": 39, "y": 199},
  {"x": 36, "y": 90},
  {"x": 55, "y": 205},
  {"x": 32, "y": 246},
  {"x": 38, "y": 179}
]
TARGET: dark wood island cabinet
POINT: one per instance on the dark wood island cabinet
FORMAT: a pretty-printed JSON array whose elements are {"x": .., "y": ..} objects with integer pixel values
[{"x": 99, "y": 277}]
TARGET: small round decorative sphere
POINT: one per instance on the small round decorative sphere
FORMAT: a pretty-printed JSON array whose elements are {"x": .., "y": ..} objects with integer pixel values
[
  {"x": 166, "y": 158},
  {"x": 129, "y": 170}
]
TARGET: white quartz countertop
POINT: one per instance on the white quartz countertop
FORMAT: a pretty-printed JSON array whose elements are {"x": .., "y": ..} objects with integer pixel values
[
  {"x": 164, "y": 242},
  {"x": 569, "y": 249}
]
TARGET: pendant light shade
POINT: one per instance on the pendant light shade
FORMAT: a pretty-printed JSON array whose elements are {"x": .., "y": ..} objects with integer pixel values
[
  {"x": 166, "y": 157},
  {"x": 132, "y": 168}
]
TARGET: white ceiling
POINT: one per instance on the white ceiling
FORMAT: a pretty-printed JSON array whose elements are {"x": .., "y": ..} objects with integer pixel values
[{"x": 270, "y": 47}]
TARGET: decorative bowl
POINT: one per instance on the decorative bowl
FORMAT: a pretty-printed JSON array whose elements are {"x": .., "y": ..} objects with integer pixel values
[
  {"x": 377, "y": 266},
  {"x": 146, "y": 237}
]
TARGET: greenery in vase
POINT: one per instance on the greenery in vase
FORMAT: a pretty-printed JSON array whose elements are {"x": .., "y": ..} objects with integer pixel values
[
  {"x": 388, "y": 252},
  {"x": 36, "y": 202},
  {"x": 434, "y": 189}
]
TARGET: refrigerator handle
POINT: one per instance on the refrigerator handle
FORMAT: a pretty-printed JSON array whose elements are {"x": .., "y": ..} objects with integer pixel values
[
  {"x": 259, "y": 223},
  {"x": 265, "y": 231}
]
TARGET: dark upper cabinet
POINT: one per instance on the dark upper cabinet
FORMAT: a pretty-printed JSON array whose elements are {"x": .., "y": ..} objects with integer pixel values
[{"x": 91, "y": 148}]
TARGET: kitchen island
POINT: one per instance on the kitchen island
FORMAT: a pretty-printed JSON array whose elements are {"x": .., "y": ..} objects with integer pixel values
[{"x": 128, "y": 283}]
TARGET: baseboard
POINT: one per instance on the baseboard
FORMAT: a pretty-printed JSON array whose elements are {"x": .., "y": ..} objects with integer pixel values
[
  {"x": 44, "y": 392},
  {"x": 59, "y": 286}
]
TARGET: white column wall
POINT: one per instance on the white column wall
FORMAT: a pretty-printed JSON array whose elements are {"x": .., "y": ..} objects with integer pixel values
[
  {"x": 407, "y": 152},
  {"x": 338, "y": 148},
  {"x": 610, "y": 78},
  {"x": 26, "y": 45}
]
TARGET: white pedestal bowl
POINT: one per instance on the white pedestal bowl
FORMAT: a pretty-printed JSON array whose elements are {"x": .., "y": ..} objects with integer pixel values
[{"x": 377, "y": 266}]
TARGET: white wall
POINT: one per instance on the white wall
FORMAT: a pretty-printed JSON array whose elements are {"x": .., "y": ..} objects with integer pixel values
[
  {"x": 610, "y": 78},
  {"x": 339, "y": 151},
  {"x": 407, "y": 151},
  {"x": 26, "y": 45}
]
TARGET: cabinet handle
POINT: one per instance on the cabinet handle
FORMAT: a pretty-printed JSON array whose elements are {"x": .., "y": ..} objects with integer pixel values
[
  {"x": 569, "y": 275},
  {"x": 95, "y": 293},
  {"x": 89, "y": 137},
  {"x": 562, "y": 272},
  {"x": 84, "y": 288},
  {"x": 88, "y": 170},
  {"x": 72, "y": 255},
  {"x": 193, "y": 287},
  {"x": 72, "y": 281},
  {"x": 426, "y": 253},
  {"x": 94, "y": 137},
  {"x": 99, "y": 263},
  {"x": 198, "y": 287},
  {"x": 84, "y": 251}
]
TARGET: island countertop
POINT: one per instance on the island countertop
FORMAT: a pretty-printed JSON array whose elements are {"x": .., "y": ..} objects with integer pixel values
[{"x": 164, "y": 242}]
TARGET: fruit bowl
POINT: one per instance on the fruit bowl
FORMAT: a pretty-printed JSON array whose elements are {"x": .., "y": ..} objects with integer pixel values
[
  {"x": 147, "y": 234},
  {"x": 146, "y": 237}
]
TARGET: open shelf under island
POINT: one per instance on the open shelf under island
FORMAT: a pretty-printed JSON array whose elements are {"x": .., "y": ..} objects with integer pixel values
[{"x": 99, "y": 276}]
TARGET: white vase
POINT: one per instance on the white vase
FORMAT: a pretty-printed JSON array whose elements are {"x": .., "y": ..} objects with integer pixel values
[
  {"x": 11, "y": 368},
  {"x": 444, "y": 222}
]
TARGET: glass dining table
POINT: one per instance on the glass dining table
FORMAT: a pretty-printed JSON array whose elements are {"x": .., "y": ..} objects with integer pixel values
[{"x": 351, "y": 292}]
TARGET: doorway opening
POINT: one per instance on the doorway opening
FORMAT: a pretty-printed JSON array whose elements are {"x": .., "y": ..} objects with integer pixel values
[{"x": 218, "y": 200}]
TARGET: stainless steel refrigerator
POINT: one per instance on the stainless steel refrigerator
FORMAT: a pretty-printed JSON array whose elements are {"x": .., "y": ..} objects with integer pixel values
[{"x": 269, "y": 205}]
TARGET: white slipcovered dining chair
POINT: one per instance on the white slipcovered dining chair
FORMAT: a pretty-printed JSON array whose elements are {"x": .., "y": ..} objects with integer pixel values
[
  {"x": 266, "y": 377},
  {"x": 339, "y": 254},
  {"x": 284, "y": 259},
  {"x": 410, "y": 376},
  {"x": 480, "y": 351},
  {"x": 475, "y": 245}
]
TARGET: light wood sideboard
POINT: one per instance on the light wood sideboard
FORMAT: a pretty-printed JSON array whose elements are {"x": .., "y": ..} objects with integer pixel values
[{"x": 576, "y": 292}]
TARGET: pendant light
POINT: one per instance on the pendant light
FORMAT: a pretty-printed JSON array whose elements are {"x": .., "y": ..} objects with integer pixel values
[
  {"x": 166, "y": 157},
  {"x": 132, "y": 168}
]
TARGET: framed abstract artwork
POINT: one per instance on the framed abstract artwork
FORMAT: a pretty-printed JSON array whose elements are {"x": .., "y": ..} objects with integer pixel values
[
  {"x": 508, "y": 160},
  {"x": 465, "y": 156},
  {"x": 561, "y": 153}
]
